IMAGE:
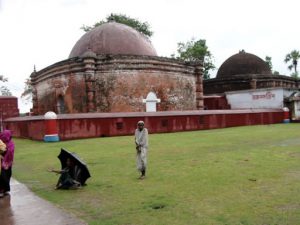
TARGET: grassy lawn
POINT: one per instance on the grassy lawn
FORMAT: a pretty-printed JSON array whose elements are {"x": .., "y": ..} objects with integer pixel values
[{"x": 243, "y": 175}]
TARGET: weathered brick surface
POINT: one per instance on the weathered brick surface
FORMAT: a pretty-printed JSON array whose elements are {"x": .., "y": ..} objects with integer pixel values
[
  {"x": 125, "y": 92},
  {"x": 70, "y": 88},
  {"x": 116, "y": 84},
  {"x": 248, "y": 81},
  {"x": 8, "y": 107}
]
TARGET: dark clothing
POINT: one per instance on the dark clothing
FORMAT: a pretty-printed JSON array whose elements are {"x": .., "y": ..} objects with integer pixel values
[
  {"x": 68, "y": 178},
  {"x": 6, "y": 161},
  {"x": 5, "y": 180}
]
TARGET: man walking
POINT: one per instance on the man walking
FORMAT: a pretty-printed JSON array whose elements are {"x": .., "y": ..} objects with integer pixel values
[{"x": 141, "y": 143}]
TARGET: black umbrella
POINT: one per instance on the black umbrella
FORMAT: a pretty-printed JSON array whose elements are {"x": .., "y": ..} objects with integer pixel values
[{"x": 83, "y": 173}]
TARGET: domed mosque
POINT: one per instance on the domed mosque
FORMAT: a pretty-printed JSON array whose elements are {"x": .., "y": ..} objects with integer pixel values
[
  {"x": 113, "y": 68},
  {"x": 245, "y": 81},
  {"x": 244, "y": 71}
]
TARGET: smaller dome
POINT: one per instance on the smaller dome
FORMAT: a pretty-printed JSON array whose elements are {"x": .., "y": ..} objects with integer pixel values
[{"x": 243, "y": 63}]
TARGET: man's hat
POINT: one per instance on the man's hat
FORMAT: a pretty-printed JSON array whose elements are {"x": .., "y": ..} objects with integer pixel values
[{"x": 141, "y": 122}]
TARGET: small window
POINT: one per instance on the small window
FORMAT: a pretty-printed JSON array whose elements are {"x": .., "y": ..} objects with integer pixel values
[
  {"x": 201, "y": 120},
  {"x": 164, "y": 123},
  {"x": 119, "y": 125}
]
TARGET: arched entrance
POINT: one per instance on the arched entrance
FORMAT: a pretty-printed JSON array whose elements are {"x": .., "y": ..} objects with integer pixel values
[{"x": 60, "y": 104}]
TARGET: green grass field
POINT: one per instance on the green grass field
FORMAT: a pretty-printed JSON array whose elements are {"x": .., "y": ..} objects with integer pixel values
[{"x": 242, "y": 175}]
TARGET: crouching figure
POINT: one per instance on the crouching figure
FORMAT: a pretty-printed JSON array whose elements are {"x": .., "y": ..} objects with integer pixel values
[{"x": 69, "y": 176}]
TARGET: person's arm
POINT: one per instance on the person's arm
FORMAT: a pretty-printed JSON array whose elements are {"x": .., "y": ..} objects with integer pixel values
[
  {"x": 55, "y": 171},
  {"x": 136, "y": 138},
  {"x": 137, "y": 146},
  {"x": 2, "y": 148},
  {"x": 8, "y": 156}
]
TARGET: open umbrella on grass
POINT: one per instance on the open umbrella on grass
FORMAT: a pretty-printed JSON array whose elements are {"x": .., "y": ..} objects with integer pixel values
[{"x": 81, "y": 171}]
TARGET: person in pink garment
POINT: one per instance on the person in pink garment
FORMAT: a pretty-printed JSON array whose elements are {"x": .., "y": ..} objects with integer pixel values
[
  {"x": 6, "y": 162},
  {"x": 2, "y": 152}
]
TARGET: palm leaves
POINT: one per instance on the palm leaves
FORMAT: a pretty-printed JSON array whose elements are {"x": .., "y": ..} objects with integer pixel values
[{"x": 292, "y": 58}]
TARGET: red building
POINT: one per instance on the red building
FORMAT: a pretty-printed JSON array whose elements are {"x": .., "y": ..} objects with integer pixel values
[
  {"x": 113, "y": 68},
  {"x": 111, "y": 74},
  {"x": 8, "y": 107},
  {"x": 245, "y": 71}
]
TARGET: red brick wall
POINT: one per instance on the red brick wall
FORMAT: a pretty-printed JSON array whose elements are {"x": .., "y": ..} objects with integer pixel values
[
  {"x": 215, "y": 102},
  {"x": 114, "y": 84},
  {"x": 115, "y": 124},
  {"x": 70, "y": 87},
  {"x": 8, "y": 107},
  {"x": 124, "y": 91}
]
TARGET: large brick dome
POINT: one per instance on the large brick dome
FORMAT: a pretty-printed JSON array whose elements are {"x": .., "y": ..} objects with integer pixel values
[
  {"x": 243, "y": 63},
  {"x": 115, "y": 39}
]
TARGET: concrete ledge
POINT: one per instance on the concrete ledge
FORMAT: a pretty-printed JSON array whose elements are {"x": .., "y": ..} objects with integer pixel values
[{"x": 143, "y": 114}]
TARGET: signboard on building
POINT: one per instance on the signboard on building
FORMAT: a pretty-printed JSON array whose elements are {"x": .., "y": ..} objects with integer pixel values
[{"x": 256, "y": 99}]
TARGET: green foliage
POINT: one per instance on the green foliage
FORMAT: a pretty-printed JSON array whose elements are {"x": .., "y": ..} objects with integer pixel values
[
  {"x": 295, "y": 75},
  {"x": 142, "y": 27},
  {"x": 293, "y": 58},
  {"x": 3, "y": 79},
  {"x": 27, "y": 93},
  {"x": 28, "y": 89},
  {"x": 219, "y": 176},
  {"x": 268, "y": 60},
  {"x": 3, "y": 89},
  {"x": 196, "y": 50}
]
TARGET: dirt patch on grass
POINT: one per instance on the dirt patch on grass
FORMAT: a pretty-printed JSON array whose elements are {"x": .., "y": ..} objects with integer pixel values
[
  {"x": 295, "y": 154},
  {"x": 293, "y": 174},
  {"x": 289, "y": 142},
  {"x": 289, "y": 207}
]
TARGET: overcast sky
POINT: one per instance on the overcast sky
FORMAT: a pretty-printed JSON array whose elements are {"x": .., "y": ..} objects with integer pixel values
[{"x": 43, "y": 32}]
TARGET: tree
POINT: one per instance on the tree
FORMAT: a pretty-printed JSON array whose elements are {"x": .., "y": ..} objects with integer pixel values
[
  {"x": 3, "y": 89},
  {"x": 293, "y": 57},
  {"x": 27, "y": 93},
  {"x": 193, "y": 51},
  {"x": 142, "y": 27},
  {"x": 295, "y": 75},
  {"x": 268, "y": 60}
]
